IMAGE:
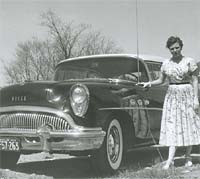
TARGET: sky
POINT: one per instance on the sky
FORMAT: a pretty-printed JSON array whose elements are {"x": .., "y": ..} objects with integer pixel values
[{"x": 157, "y": 20}]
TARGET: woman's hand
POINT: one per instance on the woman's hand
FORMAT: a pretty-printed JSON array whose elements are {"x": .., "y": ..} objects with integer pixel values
[
  {"x": 144, "y": 84},
  {"x": 196, "y": 105}
]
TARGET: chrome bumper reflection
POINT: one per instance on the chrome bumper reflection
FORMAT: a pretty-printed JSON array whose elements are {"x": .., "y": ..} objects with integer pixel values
[{"x": 75, "y": 138}]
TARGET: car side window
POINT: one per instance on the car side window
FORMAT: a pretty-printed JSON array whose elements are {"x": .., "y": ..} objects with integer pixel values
[
  {"x": 135, "y": 75},
  {"x": 154, "y": 69}
]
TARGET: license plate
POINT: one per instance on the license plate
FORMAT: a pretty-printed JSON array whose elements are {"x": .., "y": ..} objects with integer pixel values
[{"x": 8, "y": 144}]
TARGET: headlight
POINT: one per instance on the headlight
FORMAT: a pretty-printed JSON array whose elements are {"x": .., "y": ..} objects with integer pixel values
[{"x": 79, "y": 98}]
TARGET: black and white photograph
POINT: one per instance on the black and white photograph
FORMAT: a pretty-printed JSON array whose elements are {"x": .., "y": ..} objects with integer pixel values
[{"x": 99, "y": 89}]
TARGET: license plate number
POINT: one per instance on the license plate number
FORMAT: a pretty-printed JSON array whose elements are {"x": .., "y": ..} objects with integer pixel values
[{"x": 8, "y": 144}]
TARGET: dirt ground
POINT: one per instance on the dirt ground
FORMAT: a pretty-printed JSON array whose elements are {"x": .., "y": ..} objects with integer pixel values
[{"x": 35, "y": 166}]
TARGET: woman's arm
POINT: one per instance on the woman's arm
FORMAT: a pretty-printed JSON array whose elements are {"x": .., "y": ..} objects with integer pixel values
[
  {"x": 159, "y": 81},
  {"x": 195, "y": 87}
]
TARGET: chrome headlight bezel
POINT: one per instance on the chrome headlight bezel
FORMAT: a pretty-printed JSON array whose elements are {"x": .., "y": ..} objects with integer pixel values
[{"x": 79, "y": 99}]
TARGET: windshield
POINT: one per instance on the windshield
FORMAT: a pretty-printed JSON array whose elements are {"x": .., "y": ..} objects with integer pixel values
[
  {"x": 100, "y": 68},
  {"x": 75, "y": 73}
]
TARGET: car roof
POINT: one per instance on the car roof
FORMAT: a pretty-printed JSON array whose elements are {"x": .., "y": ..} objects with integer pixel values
[{"x": 143, "y": 57}]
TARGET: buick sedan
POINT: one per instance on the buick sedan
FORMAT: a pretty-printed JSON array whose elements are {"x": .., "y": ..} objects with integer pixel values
[{"x": 93, "y": 107}]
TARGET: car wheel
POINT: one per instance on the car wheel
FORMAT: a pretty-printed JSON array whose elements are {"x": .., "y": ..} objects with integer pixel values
[
  {"x": 109, "y": 157},
  {"x": 8, "y": 159}
]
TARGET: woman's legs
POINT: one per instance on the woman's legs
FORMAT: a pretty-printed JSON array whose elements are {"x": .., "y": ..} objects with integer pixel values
[
  {"x": 170, "y": 160},
  {"x": 188, "y": 151},
  {"x": 188, "y": 162}
]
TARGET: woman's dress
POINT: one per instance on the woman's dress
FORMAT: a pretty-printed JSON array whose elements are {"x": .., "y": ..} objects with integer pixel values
[{"x": 180, "y": 125}]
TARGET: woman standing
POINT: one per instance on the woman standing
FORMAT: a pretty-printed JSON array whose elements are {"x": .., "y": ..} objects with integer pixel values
[{"x": 180, "y": 125}]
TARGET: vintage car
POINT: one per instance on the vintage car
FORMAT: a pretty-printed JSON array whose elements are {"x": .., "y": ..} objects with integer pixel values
[{"x": 94, "y": 108}]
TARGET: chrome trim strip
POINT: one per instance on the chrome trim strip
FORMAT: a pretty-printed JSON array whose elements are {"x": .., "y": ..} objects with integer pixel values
[
  {"x": 138, "y": 108},
  {"x": 71, "y": 133}
]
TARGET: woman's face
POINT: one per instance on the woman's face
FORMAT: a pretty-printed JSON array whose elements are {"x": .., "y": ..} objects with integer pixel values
[{"x": 175, "y": 50}]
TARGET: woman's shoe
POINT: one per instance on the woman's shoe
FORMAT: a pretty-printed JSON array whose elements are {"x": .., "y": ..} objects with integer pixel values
[
  {"x": 168, "y": 165},
  {"x": 188, "y": 163}
]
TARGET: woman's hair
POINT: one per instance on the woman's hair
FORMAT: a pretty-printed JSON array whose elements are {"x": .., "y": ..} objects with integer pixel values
[{"x": 172, "y": 40}]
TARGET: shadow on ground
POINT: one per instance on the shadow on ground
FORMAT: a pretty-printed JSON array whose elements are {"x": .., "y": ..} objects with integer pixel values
[
  {"x": 82, "y": 168},
  {"x": 61, "y": 168}
]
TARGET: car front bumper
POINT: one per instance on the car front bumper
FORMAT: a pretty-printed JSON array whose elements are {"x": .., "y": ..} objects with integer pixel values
[
  {"x": 57, "y": 141},
  {"x": 77, "y": 138}
]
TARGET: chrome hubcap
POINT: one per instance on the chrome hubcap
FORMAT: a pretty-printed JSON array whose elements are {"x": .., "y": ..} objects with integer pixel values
[{"x": 113, "y": 144}]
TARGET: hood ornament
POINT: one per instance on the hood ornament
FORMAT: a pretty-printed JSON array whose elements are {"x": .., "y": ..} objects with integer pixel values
[{"x": 51, "y": 97}]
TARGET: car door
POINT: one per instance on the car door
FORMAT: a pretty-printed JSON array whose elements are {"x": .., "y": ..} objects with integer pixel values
[{"x": 155, "y": 95}]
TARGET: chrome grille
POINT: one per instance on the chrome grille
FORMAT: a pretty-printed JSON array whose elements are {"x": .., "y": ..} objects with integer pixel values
[{"x": 32, "y": 121}]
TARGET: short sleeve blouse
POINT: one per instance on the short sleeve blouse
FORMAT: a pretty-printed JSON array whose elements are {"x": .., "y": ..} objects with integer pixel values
[
  {"x": 192, "y": 65},
  {"x": 179, "y": 72}
]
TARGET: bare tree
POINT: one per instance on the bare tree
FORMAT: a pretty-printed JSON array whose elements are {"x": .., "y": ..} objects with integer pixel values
[
  {"x": 74, "y": 40},
  {"x": 36, "y": 59},
  {"x": 96, "y": 43},
  {"x": 65, "y": 35}
]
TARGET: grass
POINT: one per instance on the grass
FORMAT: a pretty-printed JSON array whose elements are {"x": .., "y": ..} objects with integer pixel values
[
  {"x": 156, "y": 172},
  {"x": 150, "y": 167},
  {"x": 139, "y": 165}
]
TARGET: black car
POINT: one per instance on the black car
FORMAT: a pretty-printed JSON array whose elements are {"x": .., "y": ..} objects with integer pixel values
[{"x": 92, "y": 108}]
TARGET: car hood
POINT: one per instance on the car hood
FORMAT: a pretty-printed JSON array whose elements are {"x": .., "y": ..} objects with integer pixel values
[
  {"x": 30, "y": 93},
  {"x": 37, "y": 93}
]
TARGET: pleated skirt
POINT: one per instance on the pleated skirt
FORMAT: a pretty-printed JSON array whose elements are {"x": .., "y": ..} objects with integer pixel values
[{"x": 180, "y": 125}]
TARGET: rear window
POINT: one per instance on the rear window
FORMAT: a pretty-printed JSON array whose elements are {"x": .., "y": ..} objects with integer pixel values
[{"x": 154, "y": 70}]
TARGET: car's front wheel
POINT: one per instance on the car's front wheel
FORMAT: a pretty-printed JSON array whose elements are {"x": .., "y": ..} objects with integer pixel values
[
  {"x": 109, "y": 157},
  {"x": 8, "y": 159}
]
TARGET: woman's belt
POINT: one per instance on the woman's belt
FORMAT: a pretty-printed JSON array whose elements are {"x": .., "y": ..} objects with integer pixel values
[{"x": 183, "y": 83}]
